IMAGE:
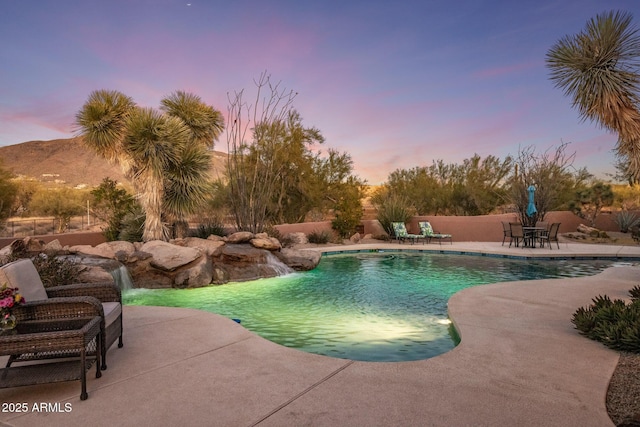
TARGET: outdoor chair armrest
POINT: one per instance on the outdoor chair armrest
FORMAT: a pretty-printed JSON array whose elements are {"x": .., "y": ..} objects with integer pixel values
[
  {"x": 54, "y": 308},
  {"x": 103, "y": 291}
]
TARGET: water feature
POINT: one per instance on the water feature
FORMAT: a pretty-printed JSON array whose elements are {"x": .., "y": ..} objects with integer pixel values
[
  {"x": 375, "y": 307},
  {"x": 122, "y": 277},
  {"x": 280, "y": 268}
]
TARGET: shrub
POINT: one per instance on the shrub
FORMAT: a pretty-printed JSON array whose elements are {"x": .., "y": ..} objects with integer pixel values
[
  {"x": 394, "y": 209},
  {"x": 287, "y": 241},
  {"x": 53, "y": 271},
  {"x": 208, "y": 228},
  {"x": 626, "y": 220},
  {"x": 613, "y": 323},
  {"x": 319, "y": 237},
  {"x": 56, "y": 271},
  {"x": 132, "y": 226},
  {"x": 111, "y": 204}
]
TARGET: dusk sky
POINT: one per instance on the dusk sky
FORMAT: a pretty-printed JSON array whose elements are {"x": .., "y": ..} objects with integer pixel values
[{"x": 396, "y": 84}]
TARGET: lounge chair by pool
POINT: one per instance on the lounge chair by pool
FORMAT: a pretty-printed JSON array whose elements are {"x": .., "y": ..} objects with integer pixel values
[{"x": 428, "y": 233}]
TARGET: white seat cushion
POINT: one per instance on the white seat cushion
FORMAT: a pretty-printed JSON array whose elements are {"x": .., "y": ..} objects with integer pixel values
[
  {"x": 22, "y": 274},
  {"x": 112, "y": 311}
]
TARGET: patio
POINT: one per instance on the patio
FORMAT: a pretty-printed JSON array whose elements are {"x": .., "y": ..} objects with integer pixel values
[{"x": 520, "y": 362}]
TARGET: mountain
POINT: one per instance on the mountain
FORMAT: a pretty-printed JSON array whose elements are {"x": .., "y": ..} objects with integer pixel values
[{"x": 69, "y": 162}]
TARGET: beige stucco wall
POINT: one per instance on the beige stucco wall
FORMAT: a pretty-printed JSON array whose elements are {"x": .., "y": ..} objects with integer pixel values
[{"x": 482, "y": 228}]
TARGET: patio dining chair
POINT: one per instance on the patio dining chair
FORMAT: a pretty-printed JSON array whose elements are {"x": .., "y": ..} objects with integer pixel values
[
  {"x": 551, "y": 235},
  {"x": 506, "y": 231},
  {"x": 517, "y": 233},
  {"x": 102, "y": 299}
]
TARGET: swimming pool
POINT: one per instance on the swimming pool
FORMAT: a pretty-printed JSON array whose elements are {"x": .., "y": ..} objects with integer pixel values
[{"x": 371, "y": 307}]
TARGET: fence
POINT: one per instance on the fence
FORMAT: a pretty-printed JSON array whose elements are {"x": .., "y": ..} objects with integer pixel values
[{"x": 43, "y": 226}]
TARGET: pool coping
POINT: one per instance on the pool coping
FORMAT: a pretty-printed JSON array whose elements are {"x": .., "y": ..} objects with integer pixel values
[{"x": 520, "y": 362}]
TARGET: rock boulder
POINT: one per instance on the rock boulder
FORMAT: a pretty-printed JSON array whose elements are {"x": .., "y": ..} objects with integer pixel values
[
  {"x": 299, "y": 260},
  {"x": 168, "y": 257}
]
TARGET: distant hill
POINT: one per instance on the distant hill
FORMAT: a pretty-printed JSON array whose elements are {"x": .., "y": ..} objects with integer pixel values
[{"x": 69, "y": 162}]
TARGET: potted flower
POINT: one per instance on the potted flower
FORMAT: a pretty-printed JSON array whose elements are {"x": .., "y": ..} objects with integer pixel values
[{"x": 9, "y": 298}]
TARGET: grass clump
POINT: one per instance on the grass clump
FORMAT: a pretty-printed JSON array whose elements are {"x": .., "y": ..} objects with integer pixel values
[
  {"x": 319, "y": 237},
  {"x": 208, "y": 228},
  {"x": 614, "y": 323}
]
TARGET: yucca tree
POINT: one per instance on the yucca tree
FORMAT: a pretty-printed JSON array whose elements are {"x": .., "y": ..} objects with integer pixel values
[
  {"x": 166, "y": 155},
  {"x": 598, "y": 69}
]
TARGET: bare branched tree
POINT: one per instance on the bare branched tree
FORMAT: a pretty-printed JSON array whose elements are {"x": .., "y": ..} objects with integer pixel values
[
  {"x": 553, "y": 176},
  {"x": 252, "y": 127}
]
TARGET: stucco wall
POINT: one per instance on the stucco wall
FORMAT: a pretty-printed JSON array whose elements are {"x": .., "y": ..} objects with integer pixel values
[
  {"x": 92, "y": 238},
  {"x": 483, "y": 228}
]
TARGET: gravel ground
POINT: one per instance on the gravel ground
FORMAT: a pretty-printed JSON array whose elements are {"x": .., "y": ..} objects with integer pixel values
[{"x": 623, "y": 396}]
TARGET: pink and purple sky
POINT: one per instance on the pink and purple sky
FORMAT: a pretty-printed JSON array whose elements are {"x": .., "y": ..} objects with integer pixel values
[{"x": 396, "y": 84}]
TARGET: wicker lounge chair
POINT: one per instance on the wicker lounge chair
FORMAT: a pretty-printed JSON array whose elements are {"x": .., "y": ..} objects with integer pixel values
[
  {"x": 428, "y": 233},
  {"x": 401, "y": 234},
  {"x": 79, "y": 300}
]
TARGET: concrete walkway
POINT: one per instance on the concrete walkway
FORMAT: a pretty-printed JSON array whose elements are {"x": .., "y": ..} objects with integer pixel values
[{"x": 520, "y": 363}]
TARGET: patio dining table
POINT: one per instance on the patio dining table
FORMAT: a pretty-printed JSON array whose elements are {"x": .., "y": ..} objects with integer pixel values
[{"x": 531, "y": 235}]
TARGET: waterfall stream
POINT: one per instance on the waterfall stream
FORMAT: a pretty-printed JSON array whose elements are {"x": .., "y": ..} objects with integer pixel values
[
  {"x": 122, "y": 277},
  {"x": 278, "y": 266}
]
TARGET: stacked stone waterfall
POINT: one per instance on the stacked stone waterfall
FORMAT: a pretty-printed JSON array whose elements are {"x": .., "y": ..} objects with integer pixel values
[{"x": 183, "y": 263}]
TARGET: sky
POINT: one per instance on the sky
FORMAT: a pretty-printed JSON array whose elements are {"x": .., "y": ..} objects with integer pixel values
[{"x": 395, "y": 84}]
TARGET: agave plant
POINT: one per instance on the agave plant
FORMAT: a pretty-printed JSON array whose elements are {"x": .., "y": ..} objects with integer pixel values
[
  {"x": 615, "y": 323},
  {"x": 626, "y": 220}
]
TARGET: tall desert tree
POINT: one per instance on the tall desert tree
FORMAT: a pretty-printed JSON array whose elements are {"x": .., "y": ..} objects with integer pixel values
[
  {"x": 261, "y": 138},
  {"x": 8, "y": 192},
  {"x": 164, "y": 153},
  {"x": 551, "y": 173},
  {"x": 598, "y": 69}
]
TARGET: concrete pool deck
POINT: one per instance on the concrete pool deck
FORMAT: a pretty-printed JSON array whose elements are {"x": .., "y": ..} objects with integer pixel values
[{"x": 520, "y": 362}]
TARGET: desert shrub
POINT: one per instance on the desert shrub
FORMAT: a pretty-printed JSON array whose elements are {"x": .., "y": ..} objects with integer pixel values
[
  {"x": 53, "y": 271},
  {"x": 208, "y": 228},
  {"x": 615, "y": 323},
  {"x": 287, "y": 241},
  {"x": 132, "y": 226},
  {"x": 111, "y": 203},
  {"x": 319, "y": 237},
  {"x": 393, "y": 208},
  {"x": 272, "y": 231},
  {"x": 56, "y": 271},
  {"x": 626, "y": 220}
]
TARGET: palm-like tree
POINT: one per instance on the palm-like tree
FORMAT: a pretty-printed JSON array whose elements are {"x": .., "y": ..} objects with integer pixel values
[
  {"x": 598, "y": 68},
  {"x": 165, "y": 155}
]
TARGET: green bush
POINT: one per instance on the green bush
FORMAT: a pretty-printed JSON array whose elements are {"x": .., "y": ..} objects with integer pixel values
[
  {"x": 57, "y": 271},
  {"x": 132, "y": 225},
  {"x": 53, "y": 271},
  {"x": 626, "y": 220},
  {"x": 394, "y": 209},
  {"x": 208, "y": 228},
  {"x": 111, "y": 204},
  {"x": 615, "y": 323},
  {"x": 319, "y": 237}
]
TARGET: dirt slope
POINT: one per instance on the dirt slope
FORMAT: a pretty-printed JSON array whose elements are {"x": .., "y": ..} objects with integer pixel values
[{"x": 69, "y": 162}]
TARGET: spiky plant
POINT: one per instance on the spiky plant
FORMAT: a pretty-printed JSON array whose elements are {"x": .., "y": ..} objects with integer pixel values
[
  {"x": 598, "y": 69},
  {"x": 164, "y": 154}
]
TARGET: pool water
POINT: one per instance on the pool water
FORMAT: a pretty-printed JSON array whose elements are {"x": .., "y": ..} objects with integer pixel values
[{"x": 371, "y": 307}]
